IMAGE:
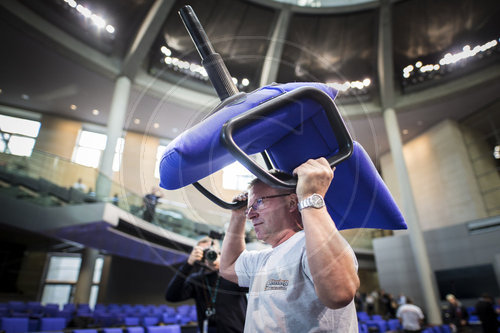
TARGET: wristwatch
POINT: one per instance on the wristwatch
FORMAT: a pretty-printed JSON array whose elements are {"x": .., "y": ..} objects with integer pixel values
[{"x": 314, "y": 201}]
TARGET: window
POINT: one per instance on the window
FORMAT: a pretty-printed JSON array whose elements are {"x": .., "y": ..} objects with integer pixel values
[
  {"x": 17, "y": 135},
  {"x": 236, "y": 177},
  {"x": 159, "y": 153},
  {"x": 90, "y": 147},
  {"x": 62, "y": 275}
]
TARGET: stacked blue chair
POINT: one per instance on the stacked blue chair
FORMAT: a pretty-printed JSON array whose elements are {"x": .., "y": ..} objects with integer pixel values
[
  {"x": 85, "y": 330},
  {"x": 14, "y": 325},
  {"x": 135, "y": 329},
  {"x": 52, "y": 324}
]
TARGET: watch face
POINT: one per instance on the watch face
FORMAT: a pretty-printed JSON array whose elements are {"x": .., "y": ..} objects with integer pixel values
[{"x": 317, "y": 201}]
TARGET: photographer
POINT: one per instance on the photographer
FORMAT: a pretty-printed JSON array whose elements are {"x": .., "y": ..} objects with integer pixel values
[{"x": 220, "y": 304}]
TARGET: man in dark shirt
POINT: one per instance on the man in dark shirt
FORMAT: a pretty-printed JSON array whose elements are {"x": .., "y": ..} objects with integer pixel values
[
  {"x": 220, "y": 304},
  {"x": 485, "y": 310},
  {"x": 150, "y": 201}
]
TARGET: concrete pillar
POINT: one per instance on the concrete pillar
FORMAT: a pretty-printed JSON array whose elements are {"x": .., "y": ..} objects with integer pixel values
[
  {"x": 417, "y": 242},
  {"x": 84, "y": 283},
  {"x": 116, "y": 120},
  {"x": 273, "y": 56}
]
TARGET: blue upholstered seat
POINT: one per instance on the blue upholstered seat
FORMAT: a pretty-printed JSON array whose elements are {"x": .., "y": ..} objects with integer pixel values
[
  {"x": 14, "y": 325},
  {"x": 164, "y": 329},
  {"x": 52, "y": 324},
  {"x": 294, "y": 133}
]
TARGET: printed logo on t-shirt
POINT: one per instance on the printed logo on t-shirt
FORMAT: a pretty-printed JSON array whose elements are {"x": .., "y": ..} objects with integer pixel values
[{"x": 273, "y": 284}]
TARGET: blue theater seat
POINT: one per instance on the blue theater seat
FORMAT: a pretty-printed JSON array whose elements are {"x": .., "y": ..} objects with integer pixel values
[
  {"x": 136, "y": 329},
  {"x": 52, "y": 324},
  {"x": 14, "y": 325},
  {"x": 112, "y": 330},
  {"x": 297, "y": 129},
  {"x": 164, "y": 329},
  {"x": 150, "y": 321},
  {"x": 131, "y": 321}
]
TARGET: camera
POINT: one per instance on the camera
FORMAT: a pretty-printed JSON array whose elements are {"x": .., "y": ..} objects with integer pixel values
[{"x": 210, "y": 254}]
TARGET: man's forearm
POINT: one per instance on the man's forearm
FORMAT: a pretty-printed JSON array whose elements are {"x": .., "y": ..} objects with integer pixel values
[
  {"x": 232, "y": 247},
  {"x": 330, "y": 259}
]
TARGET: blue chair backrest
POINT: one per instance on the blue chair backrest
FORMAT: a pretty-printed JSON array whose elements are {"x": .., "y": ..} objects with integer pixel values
[
  {"x": 52, "y": 324},
  {"x": 85, "y": 330},
  {"x": 150, "y": 321},
  {"x": 363, "y": 328},
  {"x": 164, "y": 329},
  {"x": 357, "y": 198},
  {"x": 14, "y": 325},
  {"x": 136, "y": 329},
  {"x": 394, "y": 324},
  {"x": 131, "y": 321}
]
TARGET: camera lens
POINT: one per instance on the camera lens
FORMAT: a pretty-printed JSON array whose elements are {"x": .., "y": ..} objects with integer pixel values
[{"x": 210, "y": 255}]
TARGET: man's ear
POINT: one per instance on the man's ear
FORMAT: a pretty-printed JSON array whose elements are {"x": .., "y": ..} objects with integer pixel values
[{"x": 293, "y": 202}]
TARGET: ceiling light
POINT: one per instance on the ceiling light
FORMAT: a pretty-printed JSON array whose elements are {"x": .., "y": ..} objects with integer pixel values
[
  {"x": 137, "y": 121},
  {"x": 245, "y": 82},
  {"x": 235, "y": 80},
  {"x": 110, "y": 29},
  {"x": 25, "y": 97},
  {"x": 98, "y": 21},
  {"x": 175, "y": 130},
  {"x": 95, "y": 112},
  {"x": 156, "y": 125},
  {"x": 166, "y": 51},
  {"x": 367, "y": 82},
  {"x": 73, "y": 107},
  {"x": 84, "y": 11},
  {"x": 418, "y": 64},
  {"x": 1, "y": 91},
  {"x": 405, "y": 131},
  {"x": 496, "y": 152}
]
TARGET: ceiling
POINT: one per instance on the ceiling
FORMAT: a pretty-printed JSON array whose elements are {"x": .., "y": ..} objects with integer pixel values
[{"x": 40, "y": 70}]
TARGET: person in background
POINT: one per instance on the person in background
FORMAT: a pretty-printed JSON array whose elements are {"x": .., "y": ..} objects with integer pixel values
[
  {"x": 150, "y": 201},
  {"x": 455, "y": 314},
  {"x": 79, "y": 185},
  {"x": 220, "y": 304},
  {"x": 307, "y": 280},
  {"x": 115, "y": 200},
  {"x": 485, "y": 310},
  {"x": 410, "y": 316}
]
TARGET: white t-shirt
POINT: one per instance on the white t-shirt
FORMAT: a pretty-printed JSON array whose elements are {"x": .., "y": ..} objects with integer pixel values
[
  {"x": 410, "y": 315},
  {"x": 281, "y": 292}
]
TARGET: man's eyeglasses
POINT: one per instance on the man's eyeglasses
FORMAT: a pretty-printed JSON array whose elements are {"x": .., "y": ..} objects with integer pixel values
[{"x": 258, "y": 203}]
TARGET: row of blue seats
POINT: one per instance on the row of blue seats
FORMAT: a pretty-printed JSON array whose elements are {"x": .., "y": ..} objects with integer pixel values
[
  {"x": 35, "y": 309},
  {"x": 22, "y": 325},
  {"x": 37, "y": 306},
  {"x": 366, "y": 328},
  {"x": 109, "y": 320}
]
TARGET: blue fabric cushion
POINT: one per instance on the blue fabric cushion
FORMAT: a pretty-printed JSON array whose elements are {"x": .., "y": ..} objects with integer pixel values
[{"x": 357, "y": 198}]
